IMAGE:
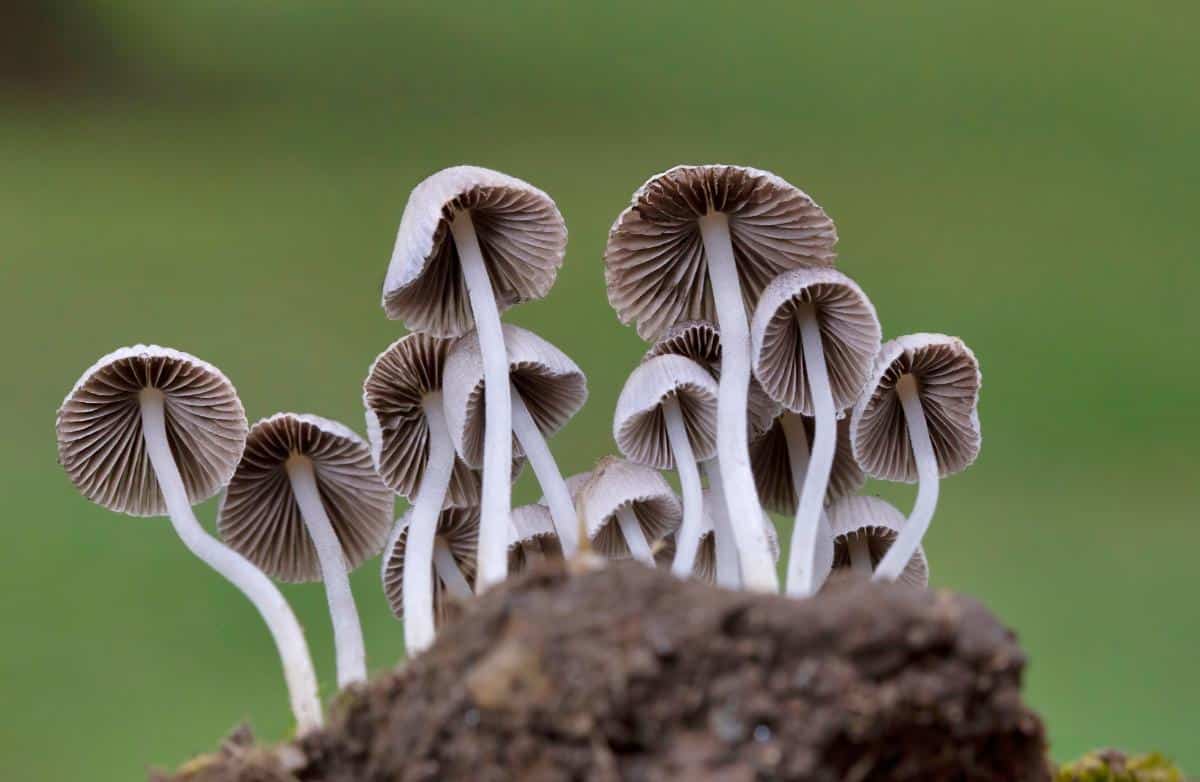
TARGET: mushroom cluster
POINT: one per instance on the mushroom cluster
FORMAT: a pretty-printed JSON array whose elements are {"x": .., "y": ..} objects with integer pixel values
[{"x": 766, "y": 379}]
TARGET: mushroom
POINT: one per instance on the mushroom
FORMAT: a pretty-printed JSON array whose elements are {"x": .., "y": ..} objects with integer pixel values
[
  {"x": 666, "y": 419},
  {"x": 306, "y": 504},
  {"x": 626, "y": 508},
  {"x": 150, "y": 431},
  {"x": 919, "y": 421},
  {"x": 701, "y": 242},
  {"x": 548, "y": 388},
  {"x": 453, "y": 571},
  {"x": 472, "y": 243},
  {"x": 864, "y": 529},
  {"x": 814, "y": 336},
  {"x": 708, "y": 565},
  {"x": 534, "y": 538}
]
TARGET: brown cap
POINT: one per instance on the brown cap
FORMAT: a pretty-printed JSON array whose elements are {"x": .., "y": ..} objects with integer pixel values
[
  {"x": 99, "y": 427},
  {"x": 615, "y": 483},
  {"x": 521, "y": 234},
  {"x": 533, "y": 528},
  {"x": 771, "y": 463},
  {"x": 655, "y": 264},
  {"x": 552, "y": 386},
  {"x": 849, "y": 335},
  {"x": 639, "y": 426},
  {"x": 948, "y": 381},
  {"x": 880, "y": 523},
  {"x": 260, "y": 518},
  {"x": 459, "y": 529}
]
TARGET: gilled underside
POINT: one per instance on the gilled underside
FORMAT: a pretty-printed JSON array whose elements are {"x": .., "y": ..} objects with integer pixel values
[
  {"x": 459, "y": 529},
  {"x": 771, "y": 463},
  {"x": 879, "y": 540}
]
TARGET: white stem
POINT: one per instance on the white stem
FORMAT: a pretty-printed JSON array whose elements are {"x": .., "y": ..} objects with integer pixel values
[
  {"x": 687, "y": 540},
  {"x": 419, "y": 622},
  {"x": 497, "y": 433},
  {"x": 909, "y": 539},
  {"x": 729, "y": 573},
  {"x": 541, "y": 459},
  {"x": 741, "y": 497},
  {"x": 448, "y": 571},
  {"x": 634, "y": 537},
  {"x": 859, "y": 551},
  {"x": 275, "y": 611},
  {"x": 802, "y": 560},
  {"x": 797, "y": 448},
  {"x": 347, "y": 632}
]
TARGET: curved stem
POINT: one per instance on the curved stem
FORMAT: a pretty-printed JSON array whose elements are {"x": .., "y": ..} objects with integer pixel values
[
  {"x": 741, "y": 497},
  {"x": 541, "y": 459},
  {"x": 347, "y": 632},
  {"x": 497, "y": 443},
  {"x": 448, "y": 571},
  {"x": 797, "y": 446},
  {"x": 687, "y": 540},
  {"x": 909, "y": 539},
  {"x": 275, "y": 611},
  {"x": 729, "y": 573},
  {"x": 635, "y": 538},
  {"x": 419, "y": 622},
  {"x": 802, "y": 560},
  {"x": 859, "y": 551}
]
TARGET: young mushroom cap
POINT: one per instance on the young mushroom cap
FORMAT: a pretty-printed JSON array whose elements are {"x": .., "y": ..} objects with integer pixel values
[
  {"x": 640, "y": 426},
  {"x": 458, "y": 528},
  {"x": 533, "y": 531},
  {"x": 259, "y": 516},
  {"x": 771, "y": 462},
  {"x": 947, "y": 382},
  {"x": 616, "y": 483},
  {"x": 705, "y": 566},
  {"x": 880, "y": 523},
  {"x": 522, "y": 238},
  {"x": 99, "y": 428}
]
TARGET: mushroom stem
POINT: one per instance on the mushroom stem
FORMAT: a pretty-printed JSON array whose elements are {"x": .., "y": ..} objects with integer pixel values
[
  {"x": 741, "y": 497},
  {"x": 347, "y": 632},
  {"x": 497, "y": 444},
  {"x": 797, "y": 447},
  {"x": 447, "y": 570},
  {"x": 909, "y": 539},
  {"x": 289, "y": 637},
  {"x": 635, "y": 539},
  {"x": 728, "y": 571},
  {"x": 688, "y": 539},
  {"x": 541, "y": 459},
  {"x": 419, "y": 621},
  {"x": 859, "y": 551}
]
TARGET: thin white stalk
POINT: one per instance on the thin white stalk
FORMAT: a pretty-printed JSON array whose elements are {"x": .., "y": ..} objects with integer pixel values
[
  {"x": 275, "y": 611},
  {"x": 859, "y": 551},
  {"x": 741, "y": 497},
  {"x": 687, "y": 540},
  {"x": 447, "y": 570},
  {"x": 541, "y": 459},
  {"x": 347, "y": 632},
  {"x": 797, "y": 448},
  {"x": 909, "y": 539},
  {"x": 497, "y": 443},
  {"x": 635, "y": 538},
  {"x": 419, "y": 621},
  {"x": 729, "y": 573}
]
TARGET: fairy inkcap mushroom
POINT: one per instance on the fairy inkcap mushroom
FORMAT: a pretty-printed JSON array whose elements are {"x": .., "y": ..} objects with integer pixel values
[
  {"x": 306, "y": 504},
  {"x": 626, "y": 508},
  {"x": 813, "y": 339},
  {"x": 149, "y": 431},
  {"x": 473, "y": 242},
  {"x": 707, "y": 565},
  {"x": 701, "y": 242},
  {"x": 534, "y": 538},
  {"x": 452, "y": 573},
  {"x": 918, "y": 421},
  {"x": 864, "y": 528}
]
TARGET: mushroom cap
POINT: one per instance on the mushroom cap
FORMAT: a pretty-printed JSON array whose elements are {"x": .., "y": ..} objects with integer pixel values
[
  {"x": 655, "y": 264},
  {"x": 615, "y": 483},
  {"x": 459, "y": 528},
  {"x": 700, "y": 340},
  {"x": 99, "y": 428},
  {"x": 521, "y": 235},
  {"x": 394, "y": 394},
  {"x": 259, "y": 516},
  {"x": 772, "y": 466},
  {"x": 850, "y": 336},
  {"x": 639, "y": 425},
  {"x": 881, "y": 523},
  {"x": 553, "y": 387},
  {"x": 948, "y": 382},
  {"x": 532, "y": 525}
]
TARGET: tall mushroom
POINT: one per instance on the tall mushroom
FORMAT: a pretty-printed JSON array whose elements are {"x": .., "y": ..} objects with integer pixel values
[
  {"x": 471, "y": 243},
  {"x": 547, "y": 390},
  {"x": 814, "y": 336},
  {"x": 919, "y": 421},
  {"x": 701, "y": 242},
  {"x": 150, "y": 431},
  {"x": 864, "y": 529},
  {"x": 627, "y": 508},
  {"x": 534, "y": 538},
  {"x": 306, "y": 504},
  {"x": 453, "y": 572},
  {"x": 666, "y": 418}
]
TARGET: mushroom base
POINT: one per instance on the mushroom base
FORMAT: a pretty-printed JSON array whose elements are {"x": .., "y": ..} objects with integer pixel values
[{"x": 627, "y": 673}]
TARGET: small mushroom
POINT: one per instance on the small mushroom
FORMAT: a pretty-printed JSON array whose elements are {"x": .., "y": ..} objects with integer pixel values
[
  {"x": 548, "y": 388},
  {"x": 919, "y": 421},
  {"x": 473, "y": 242},
  {"x": 707, "y": 565},
  {"x": 864, "y": 529},
  {"x": 666, "y": 419},
  {"x": 534, "y": 538},
  {"x": 306, "y": 504},
  {"x": 626, "y": 508},
  {"x": 814, "y": 336},
  {"x": 453, "y": 571},
  {"x": 150, "y": 431},
  {"x": 701, "y": 242}
]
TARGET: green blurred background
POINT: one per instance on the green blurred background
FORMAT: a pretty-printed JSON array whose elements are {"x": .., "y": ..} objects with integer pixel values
[{"x": 226, "y": 178}]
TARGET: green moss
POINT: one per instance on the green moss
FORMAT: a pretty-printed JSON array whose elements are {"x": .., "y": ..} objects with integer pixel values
[{"x": 1112, "y": 766}]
